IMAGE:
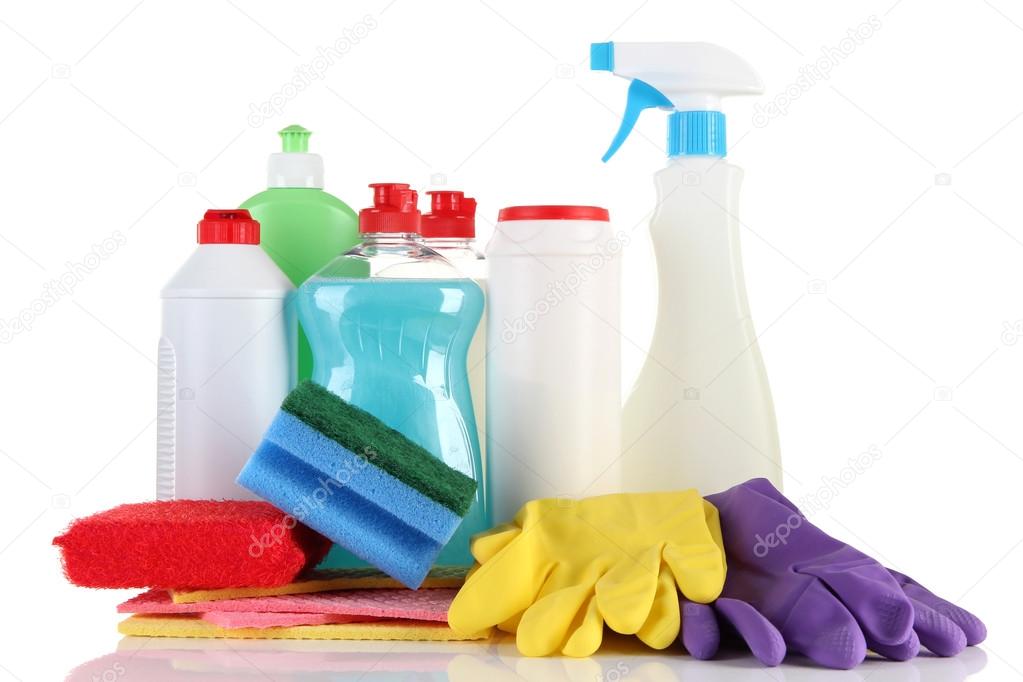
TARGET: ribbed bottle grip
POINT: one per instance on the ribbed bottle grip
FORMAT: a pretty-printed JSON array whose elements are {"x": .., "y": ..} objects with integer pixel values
[{"x": 166, "y": 397}]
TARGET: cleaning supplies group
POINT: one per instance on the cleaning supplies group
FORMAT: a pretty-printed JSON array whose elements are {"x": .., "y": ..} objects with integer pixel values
[
  {"x": 668, "y": 567},
  {"x": 419, "y": 414}
]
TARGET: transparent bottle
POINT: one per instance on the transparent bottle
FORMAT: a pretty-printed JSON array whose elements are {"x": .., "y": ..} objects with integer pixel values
[
  {"x": 450, "y": 230},
  {"x": 390, "y": 323}
]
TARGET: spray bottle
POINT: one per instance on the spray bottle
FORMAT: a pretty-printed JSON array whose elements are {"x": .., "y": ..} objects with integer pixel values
[{"x": 700, "y": 414}]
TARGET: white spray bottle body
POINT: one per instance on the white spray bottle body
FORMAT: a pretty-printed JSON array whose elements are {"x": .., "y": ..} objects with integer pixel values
[{"x": 700, "y": 414}]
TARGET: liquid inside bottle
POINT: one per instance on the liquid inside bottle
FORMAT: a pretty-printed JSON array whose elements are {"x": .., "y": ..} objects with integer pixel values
[{"x": 390, "y": 323}]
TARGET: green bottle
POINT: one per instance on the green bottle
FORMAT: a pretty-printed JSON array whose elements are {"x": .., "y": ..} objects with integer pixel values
[{"x": 302, "y": 228}]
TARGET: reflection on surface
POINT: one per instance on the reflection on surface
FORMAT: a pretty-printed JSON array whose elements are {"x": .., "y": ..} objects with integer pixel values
[{"x": 620, "y": 659}]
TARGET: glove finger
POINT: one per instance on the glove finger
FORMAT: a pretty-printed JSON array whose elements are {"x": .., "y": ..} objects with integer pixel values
[
  {"x": 762, "y": 638},
  {"x": 587, "y": 632},
  {"x": 701, "y": 636},
  {"x": 821, "y": 628},
  {"x": 897, "y": 652},
  {"x": 699, "y": 569},
  {"x": 663, "y": 623},
  {"x": 544, "y": 627},
  {"x": 625, "y": 593},
  {"x": 697, "y": 557},
  {"x": 499, "y": 589},
  {"x": 938, "y": 633},
  {"x": 872, "y": 595},
  {"x": 973, "y": 627},
  {"x": 485, "y": 545},
  {"x": 555, "y": 606}
]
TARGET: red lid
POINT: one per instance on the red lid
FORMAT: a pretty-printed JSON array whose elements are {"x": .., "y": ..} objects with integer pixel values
[
  {"x": 233, "y": 226},
  {"x": 393, "y": 210},
  {"x": 452, "y": 215},
  {"x": 553, "y": 213}
]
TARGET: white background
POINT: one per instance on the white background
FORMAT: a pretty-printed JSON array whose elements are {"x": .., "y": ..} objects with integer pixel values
[{"x": 882, "y": 240}]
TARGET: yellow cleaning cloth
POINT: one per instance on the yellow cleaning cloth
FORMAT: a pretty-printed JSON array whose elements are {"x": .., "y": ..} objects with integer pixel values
[
  {"x": 564, "y": 568},
  {"x": 326, "y": 580},
  {"x": 192, "y": 625}
]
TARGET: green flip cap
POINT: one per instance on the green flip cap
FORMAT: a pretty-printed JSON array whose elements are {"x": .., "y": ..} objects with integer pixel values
[{"x": 295, "y": 139}]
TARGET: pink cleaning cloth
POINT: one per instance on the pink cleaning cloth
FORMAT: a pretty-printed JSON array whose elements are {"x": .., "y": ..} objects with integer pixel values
[
  {"x": 429, "y": 604},
  {"x": 265, "y": 619}
]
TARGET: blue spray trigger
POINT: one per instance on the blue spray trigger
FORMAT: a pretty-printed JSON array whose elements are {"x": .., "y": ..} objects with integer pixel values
[{"x": 641, "y": 96}]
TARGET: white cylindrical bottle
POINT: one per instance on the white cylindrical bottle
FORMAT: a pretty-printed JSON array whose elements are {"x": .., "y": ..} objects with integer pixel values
[
  {"x": 553, "y": 363},
  {"x": 226, "y": 359}
]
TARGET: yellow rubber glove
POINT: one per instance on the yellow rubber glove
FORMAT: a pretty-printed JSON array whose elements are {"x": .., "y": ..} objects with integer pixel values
[
  {"x": 664, "y": 622},
  {"x": 564, "y": 568}
]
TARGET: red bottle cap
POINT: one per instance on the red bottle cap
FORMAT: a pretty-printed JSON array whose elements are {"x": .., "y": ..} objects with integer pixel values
[
  {"x": 393, "y": 210},
  {"x": 553, "y": 213},
  {"x": 232, "y": 226},
  {"x": 452, "y": 216}
]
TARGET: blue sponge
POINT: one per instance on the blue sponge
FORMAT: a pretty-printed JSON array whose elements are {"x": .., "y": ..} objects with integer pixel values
[{"x": 343, "y": 472}]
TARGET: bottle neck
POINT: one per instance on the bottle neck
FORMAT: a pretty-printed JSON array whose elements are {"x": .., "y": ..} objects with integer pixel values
[
  {"x": 385, "y": 238},
  {"x": 700, "y": 164},
  {"x": 291, "y": 170},
  {"x": 449, "y": 242}
]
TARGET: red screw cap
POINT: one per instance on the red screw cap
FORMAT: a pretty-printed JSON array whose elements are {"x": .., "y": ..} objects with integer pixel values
[
  {"x": 394, "y": 209},
  {"x": 452, "y": 216},
  {"x": 233, "y": 226},
  {"x": 547, "y": 212}
]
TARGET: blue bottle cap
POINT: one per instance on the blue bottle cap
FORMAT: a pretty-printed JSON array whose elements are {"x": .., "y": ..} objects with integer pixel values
[{"x": 696, "y": 133}]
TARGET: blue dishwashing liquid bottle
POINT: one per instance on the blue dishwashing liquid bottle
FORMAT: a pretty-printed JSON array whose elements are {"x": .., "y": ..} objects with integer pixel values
[{"x": 390, "y": 323}]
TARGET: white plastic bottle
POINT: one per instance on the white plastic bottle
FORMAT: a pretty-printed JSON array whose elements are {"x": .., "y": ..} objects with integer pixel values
[
  {"x": 700, "y": 414},
  {"x": 226, "y": 359},
  {"x": 450, "y": 230},
  {"x": 553, "y": 367}
]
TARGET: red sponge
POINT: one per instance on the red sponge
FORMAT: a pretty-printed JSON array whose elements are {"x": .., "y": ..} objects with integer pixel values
[{"x": 189, "y": 544}]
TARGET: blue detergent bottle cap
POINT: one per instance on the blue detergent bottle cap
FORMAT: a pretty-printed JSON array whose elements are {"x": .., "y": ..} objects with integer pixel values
[{"x": 688, "y": 79}]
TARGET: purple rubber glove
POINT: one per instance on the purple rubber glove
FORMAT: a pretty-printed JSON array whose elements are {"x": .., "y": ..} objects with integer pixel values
[
  {"x": 941, "y": 626},
  {"x": 829, "y": 601},
  {"x": 825, "y": 598}
]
